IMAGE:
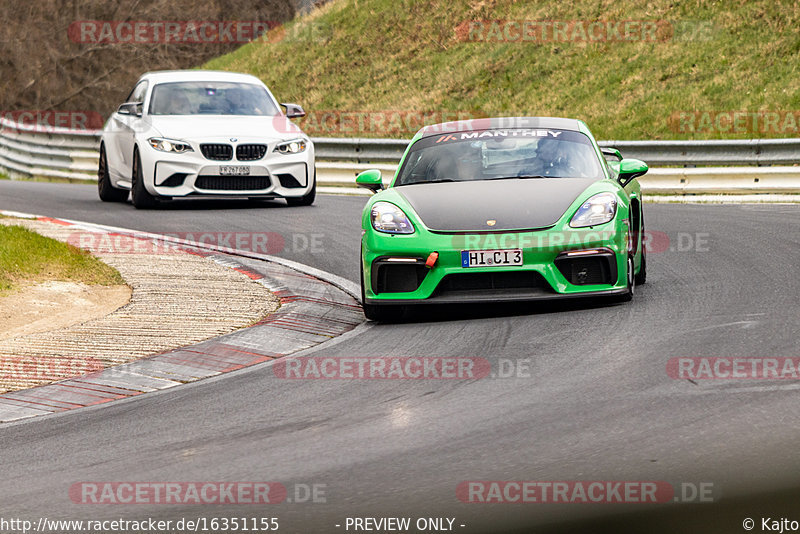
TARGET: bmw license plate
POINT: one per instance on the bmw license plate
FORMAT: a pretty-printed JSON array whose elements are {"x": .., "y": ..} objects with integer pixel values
[
  {"x": 491, "y": 258},
  {"x": 234, "y": 170}
]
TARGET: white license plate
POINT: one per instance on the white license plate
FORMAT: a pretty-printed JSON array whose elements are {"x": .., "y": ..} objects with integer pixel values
[
  {"x": 234, "y": 170},
  {"x": 491, "y": 258}
]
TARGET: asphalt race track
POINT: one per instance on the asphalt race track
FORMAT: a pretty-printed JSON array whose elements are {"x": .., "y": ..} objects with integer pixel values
[{"x": 596, "y": 404}]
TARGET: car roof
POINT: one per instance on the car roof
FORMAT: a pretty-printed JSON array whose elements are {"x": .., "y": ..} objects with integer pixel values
[
  {"x": 554, "y": 123},
  {"x": 161, "y": 76}
]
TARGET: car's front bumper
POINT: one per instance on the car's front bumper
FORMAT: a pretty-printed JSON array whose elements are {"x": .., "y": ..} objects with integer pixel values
[
  {"x": 192, "y": 174},
  {"x": 557, "y": 263}
]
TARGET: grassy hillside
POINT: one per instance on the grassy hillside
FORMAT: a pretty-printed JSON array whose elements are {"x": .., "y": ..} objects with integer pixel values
[{"x": 402, "y": 55}]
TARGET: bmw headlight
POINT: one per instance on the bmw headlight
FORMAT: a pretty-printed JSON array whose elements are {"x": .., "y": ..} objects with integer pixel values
[
  {"x": 599, "y": 209},
  {"x": 170, "y": 145},
  {"x": 295, "y": 146},
  {"x": 387, "y": 217}
]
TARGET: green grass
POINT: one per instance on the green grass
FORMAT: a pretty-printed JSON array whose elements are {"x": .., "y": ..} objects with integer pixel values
[
  {"x": 404, "y": 55},
  {"x": 28, "y": 256}
]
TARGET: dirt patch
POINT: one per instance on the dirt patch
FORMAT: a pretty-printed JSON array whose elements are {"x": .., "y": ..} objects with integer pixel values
[{"x": 47, "y": 306}]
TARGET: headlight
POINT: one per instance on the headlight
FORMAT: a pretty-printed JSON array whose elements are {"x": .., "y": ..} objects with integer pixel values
[
  {"x": 295, "y": 146},
  {"x": 387, "y": 217},
  {"x": 599, "y": 209},
  {"x": 170, "y": 145}
]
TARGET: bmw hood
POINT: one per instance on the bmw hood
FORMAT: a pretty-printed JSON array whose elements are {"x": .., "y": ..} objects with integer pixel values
[
  {"x": 514, "y": 204},
  {"x": 200, "y": 127}
]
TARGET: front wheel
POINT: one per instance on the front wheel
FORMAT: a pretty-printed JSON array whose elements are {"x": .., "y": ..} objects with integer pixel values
[
  {"x": 641, "y": 276},
  {"x": 308, "y": 198},
  {"x": 106, "y": 191},
  {"x": 626, "y": 297},
  {"x": 139, "y": 195},
  {"x": 305, "y": 200}
]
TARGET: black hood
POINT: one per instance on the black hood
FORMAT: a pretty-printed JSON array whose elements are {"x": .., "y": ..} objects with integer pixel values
[{"x": 515, "y": 204}]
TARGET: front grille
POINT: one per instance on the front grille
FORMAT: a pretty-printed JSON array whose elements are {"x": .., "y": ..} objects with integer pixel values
[
  {"x": 502, "y": 281},
  {"x": 250, "y": 152},
  {"x": 217, "y": 152},
  {"x": 583, "y": 271},
  {"x": 232, "y": 183}
]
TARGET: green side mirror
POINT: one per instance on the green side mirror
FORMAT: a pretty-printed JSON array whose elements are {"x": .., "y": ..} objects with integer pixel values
[
  {"x": 630, "y": 169},
  {"x": 370, "y": 179}
]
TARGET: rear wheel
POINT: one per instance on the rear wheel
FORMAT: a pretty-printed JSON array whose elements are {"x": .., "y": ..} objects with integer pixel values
[
  {"x": 106, "y": 191},
  {"x": 139, "y": 195}
]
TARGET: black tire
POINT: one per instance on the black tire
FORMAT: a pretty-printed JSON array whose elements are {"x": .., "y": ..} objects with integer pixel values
[
  {"x": 139, "y": 195},
  {"x": 641, "y": 276},
  {"x": 628, "y": 296},
  {"x": 308, "y": 198},
  {"x": 106, "y": 191}
]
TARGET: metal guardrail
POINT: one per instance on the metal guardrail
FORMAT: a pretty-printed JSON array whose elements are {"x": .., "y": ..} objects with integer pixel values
[
  {"x": 656, "y": 153},
  {"x": 755, "y": 165}
]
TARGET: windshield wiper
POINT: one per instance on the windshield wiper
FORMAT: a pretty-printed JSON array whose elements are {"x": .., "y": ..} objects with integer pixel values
[{"x": 522, "y": 176}]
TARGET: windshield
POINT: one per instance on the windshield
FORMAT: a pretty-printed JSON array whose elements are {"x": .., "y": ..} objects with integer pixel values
[
  {"x": 500, "y": 154},
  {"x": 211, "y": 98}
]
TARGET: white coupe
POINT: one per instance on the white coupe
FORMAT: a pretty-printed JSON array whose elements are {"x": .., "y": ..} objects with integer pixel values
[{"x": 200, "y": 133}]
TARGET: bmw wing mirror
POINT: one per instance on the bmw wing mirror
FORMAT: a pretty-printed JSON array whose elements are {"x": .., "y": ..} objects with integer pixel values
[
  {"x": 630, "y": 169},
  {"x": 371, "y": 179},
  {"x": 131, "y": 108},
  {"x": 293, "y": 111}
]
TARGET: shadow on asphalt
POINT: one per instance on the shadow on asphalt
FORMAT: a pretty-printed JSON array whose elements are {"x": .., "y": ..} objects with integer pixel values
[
  {"x": 219, "y": 204},
  {"x": 461, "y": 312}
]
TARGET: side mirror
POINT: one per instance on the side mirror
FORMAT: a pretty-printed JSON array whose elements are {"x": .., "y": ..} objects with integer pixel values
[
  {"x": 371, "y": 180},
  {"x": 630, "y": 169},
  {"x": 131, "y": 108},
  {"x": 293, "y": 111},
  {"x": 611, "y": 154}
]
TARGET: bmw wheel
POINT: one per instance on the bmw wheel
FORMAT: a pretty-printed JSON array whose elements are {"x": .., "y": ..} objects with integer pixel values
[
  {"x": 139, "y": 195},
  {"x": 106, "y": 191}
]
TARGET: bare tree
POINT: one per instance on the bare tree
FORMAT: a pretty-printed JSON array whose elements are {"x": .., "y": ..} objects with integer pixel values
[{"x": 43, "y": 66}]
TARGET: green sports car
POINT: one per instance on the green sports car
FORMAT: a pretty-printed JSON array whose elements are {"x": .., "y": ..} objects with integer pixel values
[{"x": 499, "y": 210}]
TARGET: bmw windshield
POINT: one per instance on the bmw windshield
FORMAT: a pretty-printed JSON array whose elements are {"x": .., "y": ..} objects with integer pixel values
[
  {"x": 500, "y": 154},
  {"x": 211, "y": 98}
]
